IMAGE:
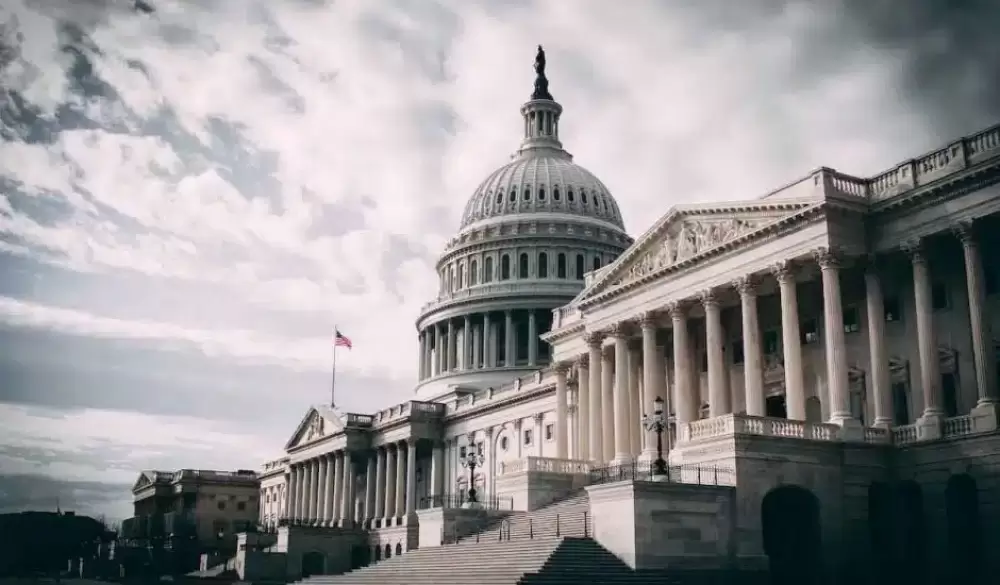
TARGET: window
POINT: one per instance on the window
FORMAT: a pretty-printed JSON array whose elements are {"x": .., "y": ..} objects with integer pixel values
[
  {"x": 505, "y": 267},
  {"x": 479, "y": 448},
  {"x": 503, "y": 443},
  {"x": 950, "y": 394},
  {"x": 569, "y": 194},
  {"x": 852, "y": 320},
  {"x": 737, "y": 351},
  {"x": 561, "y": 265},
  {"x": 522, "y": 266},
  {"x": 892, "y": 309},
  {"x": 583, "y": 196},
  {"x": 473, "y": 273},
  {"x": 461, "y": 275},
  {"x": 241, "y": 506},
  {"x": 770, "y": 342},
  {"x": 543, "y": 265},
  {"x": 810, "y": 331},
  {"x": 222, "y": 505},
  {"x": 597, "y": 263},
  {"x": 488, "y": 269},
  {"x": 555, "y": 193},
  {"x": 463, "y": 452},
  {"x": 499, "y": 199},
  {"x": 541, "y": 193},
  {"x": 579, "y": 266},
  {"x": 939, "y": 296},
  {"x": 900, "y": 404},
  {"x": 549, "y": 432},
  {"x": 527, "y": 436},
  {"x": 527, "y": 194}
]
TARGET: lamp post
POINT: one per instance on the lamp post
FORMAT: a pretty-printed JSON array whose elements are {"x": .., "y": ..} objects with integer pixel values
[
  {"x": 473, "y": 459},
  {"x": 657, "y": 423}
]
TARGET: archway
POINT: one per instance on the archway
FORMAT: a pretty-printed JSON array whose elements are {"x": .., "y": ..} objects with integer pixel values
[
  {"x": 792, "y": 538},
  {"x": 911, "y": 532},
  {"x": 313, "y": 563},
  {"x": 964, "y": 527},
  {"x": 388, "y": 551}
]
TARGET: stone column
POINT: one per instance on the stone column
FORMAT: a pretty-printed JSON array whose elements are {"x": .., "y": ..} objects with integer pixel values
[
  {"x": 324, "y": 489},
  {"x": 437, "y": 470},
  {"x": 561, "y": 422},
  {"x": 338, "y": 486},
  {"x": 988, "y": 402},
  {"x": 380, "y": 484},
  {"x": 490, "y": 460},
  {"x": 510, "y": 343},
  {"x": 532, "y": 338},
  {"x": 487, "y": 342},
  {"x": 411, "y": 477},
  {"x": 539, "y": 434},
  {"x": 608, "y": 403},
  {"x": 292, "y": 502},
  {"x": 719, "y": 397},
  {"x": 835, "y": 346},
  {"x": 423, "y": 352},
  {"x": 652, "y": 376},
  {"x": 477, "y": 347},
  {"x": 685, "y": 394},
  {"x": 452, "y": 362},
  {"x": 930, "y": 367},
  {"x": 370, "y": 483},
  {"x": 795, "y": 399},
  {"x": 428, "y": 361},
  {"x": 634, "y": 422},
  {"x": 753, "y": 358},
  {"x": 623, "y": 447},
  {"x": 466, "y": 344},
  {"x": 594, "y": 359},
  {"x": 347, "y": 492},
  {"x": 286, "y": 504},
  {"x": 878, "y": 356},
  {"x": 583, "y": 408},
  {"x": 313, "y": 491},
  {"x": 390, "y": 483},
  {"x": 401, "y": 478},
  {"x": 439, "y": 350}
]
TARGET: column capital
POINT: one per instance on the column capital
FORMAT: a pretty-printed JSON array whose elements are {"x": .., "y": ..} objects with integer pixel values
[
  {"x": 827, "y": 258},
  {"x": 965, "y": 230},
  {"x": 914, "y": 248},
  {"x": 539, "y": 417},
  {"x": 783, "y": 271},
  {"x": 620, "y": 330},
  {"x": 489, "y": 431},
  {"x": 746, "y": 285},
  {"x": 594, "y": 338},
  {"x": 583, "y": 361},
  {"x": 517, "y": 425},
  {"x": 649, "y": 320},
  {"x": 709, "y": 298},
  {"x": 678, "y": 310},
  {"x": 561, "y": 368}
]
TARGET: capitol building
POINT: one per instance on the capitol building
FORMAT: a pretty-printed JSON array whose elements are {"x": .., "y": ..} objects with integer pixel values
[{"x": 824, "y": 357}]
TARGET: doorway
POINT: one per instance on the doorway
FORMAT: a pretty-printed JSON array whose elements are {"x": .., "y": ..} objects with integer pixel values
[
  {"x": 774, "y": 406},
  {"x": 313, "y": 563},
  {"x": 792, "y": 537}
]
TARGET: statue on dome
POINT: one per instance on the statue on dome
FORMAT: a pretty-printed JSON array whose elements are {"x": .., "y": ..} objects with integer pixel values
[{"x": 541, "y": 82}]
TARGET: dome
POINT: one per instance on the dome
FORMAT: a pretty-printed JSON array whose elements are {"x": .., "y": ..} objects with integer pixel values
[{"x": 542, "y": 181}]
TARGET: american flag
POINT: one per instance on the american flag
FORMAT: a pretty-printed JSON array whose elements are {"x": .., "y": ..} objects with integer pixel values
[{"x": 341, "y": 340}]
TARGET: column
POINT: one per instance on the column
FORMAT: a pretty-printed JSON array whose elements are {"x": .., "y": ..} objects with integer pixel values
[
  {"x": 489, "y": 472},
  {"x": 878, "y": 356},
  {"x": 390, "y": 484},
  {"x": 795, "y": 399},
  {"x": 291, "y": 491},
  {"x": 510, "y": 343},
  {"x": 347, "y": 492},
  {"x": 370, "y": 483},
  {"x": 477, "y": 346},
  {"x": 338, "y": 486},
  {"x": 437, "y": 470},
  {"x": 561, "y": 422},
  {"x": 324, "y": 485},
  {"x": 634, "y": 422},
  {"x": 313, "y": 491},
  {"x": 532, "y": 338},
  {"x": 621, "y": 403},
  {"x": 411, "y": 477},
  {"x": 487, "y": 352},
  {"x": 439, "y": 350},
  {"x": 401, "y": 477},
  {"x": 833, "y": 338},
  {"x": 930, "y": 368},
  {"x": 653, "y": 379},
  {"x": 686, "y": 406},
  {"x": 428, "y": 363},
  {"x": 423, "y": 351},
  {"x": 753, "y": 359},
  {"x": 539, "y": 433},
  {"x": 467, "y": 343},
  {"x": 594, "y": 359},
  {"x": 719, "y": 398},
  {"x": 583, "y": 408},
  {"x": 982, "y": 336},
  {"x": 450, "y": 352},
  {"x": 380, "y": 484},
  {"x": 608, "y": 403}
]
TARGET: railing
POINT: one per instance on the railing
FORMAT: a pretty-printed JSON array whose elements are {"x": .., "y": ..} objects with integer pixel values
[
  {"x": 359, "y": 420},
  {"x": 461, "y": 499},
  {"x": 546, "y": 464},
  {"x": 536, "y": 286},
  {"x": 646, "y": 471}
]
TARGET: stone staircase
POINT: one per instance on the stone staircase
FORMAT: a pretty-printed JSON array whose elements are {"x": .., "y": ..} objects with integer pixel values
[{"x": 566, "y": 517}]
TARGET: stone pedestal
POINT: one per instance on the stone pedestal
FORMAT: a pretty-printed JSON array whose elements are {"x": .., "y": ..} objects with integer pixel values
[
  {"x": 438, "y": 526},
  {"x": 986, "y": 417},
  {"x": 930, "y": 427},
  {"x": 534, "y": 482}
]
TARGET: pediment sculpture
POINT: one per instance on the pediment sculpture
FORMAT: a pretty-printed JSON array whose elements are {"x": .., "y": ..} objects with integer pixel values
[{"x": 315, "y": 427}]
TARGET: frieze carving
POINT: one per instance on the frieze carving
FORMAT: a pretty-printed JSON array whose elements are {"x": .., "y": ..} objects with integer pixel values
[{"x": 693, "y": 237}]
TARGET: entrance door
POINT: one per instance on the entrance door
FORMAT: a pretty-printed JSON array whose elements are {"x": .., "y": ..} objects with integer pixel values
[{"x": 791, "y": 526}]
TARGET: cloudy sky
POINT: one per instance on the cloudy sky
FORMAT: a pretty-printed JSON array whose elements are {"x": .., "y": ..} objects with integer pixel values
[{"x": 191, "y": 198}]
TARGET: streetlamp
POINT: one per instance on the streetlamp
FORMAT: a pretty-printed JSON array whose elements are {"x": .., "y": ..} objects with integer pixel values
[
  {"x": 657, "y": 423},
  {"x": 473, "y": 459}
]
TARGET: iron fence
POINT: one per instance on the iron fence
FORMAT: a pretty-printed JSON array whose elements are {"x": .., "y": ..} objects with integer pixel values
[
  {"x": 461, "y": 499},
  {"x": 646, "y": 471}
]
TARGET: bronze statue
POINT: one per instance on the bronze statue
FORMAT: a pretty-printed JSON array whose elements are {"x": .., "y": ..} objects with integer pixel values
[{"x": 541, "y": 83}]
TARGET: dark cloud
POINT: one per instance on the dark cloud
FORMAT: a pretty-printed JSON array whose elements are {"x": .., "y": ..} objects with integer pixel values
[{"x": 19, "y": 493}]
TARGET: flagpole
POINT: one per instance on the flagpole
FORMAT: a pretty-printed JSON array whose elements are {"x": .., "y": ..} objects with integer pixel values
[{"x": 333, "y": 376}]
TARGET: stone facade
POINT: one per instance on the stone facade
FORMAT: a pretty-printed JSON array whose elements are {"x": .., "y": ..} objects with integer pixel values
[{"x": 831, "y": 343}]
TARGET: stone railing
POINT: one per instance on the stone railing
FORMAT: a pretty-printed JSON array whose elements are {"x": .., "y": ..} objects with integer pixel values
[
  {"x": 543, "y": 286},
  {"x": 545, "y": 464},
  {"x": 904, "y": 434},
  {"x": 742, "y": 424},
  {"x": 406, "y": 410},
  {"x": 959, "y": 426},
  {"x": 358, "y": 420}
]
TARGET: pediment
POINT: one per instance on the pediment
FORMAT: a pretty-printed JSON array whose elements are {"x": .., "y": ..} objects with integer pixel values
[
  {"x": 147, "y": 478},
  {"x": 318, "y": 422},
  {"x": 686, "y": 234}
]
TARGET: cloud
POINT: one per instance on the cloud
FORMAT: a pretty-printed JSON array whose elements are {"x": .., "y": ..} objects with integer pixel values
[{"x": 196, "y": 196}]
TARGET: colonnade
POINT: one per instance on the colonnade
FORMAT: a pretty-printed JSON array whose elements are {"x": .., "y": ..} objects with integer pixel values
[
  {"x": 608, "y": 399},
  {"x": 482, "y": 340},
  {"x": 321, "y": 489}
]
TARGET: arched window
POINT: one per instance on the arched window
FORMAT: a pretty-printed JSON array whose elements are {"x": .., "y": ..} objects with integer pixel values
[
  {"x": 505, "y": 267},
  {"x": 597, "y": 262},
  {"x": 543, "y": 265},
  {"x": 541, "y": 193},
  {"x": 583, "y": 196},
  {"x": 579, "y": 266},
  {"x": 522, "y": 265},
  {"x": 500, "y": 198},
  {"x": 461, "y": 275},
  {"x": 488, "y": 269},
  {"x": 569, "y": 194},
  {"x": 555, "y": 193},
  {"x": 473, "y": 272},
  {"x": 527, "y": 193},
  {"x": 561, "y": 265}
]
